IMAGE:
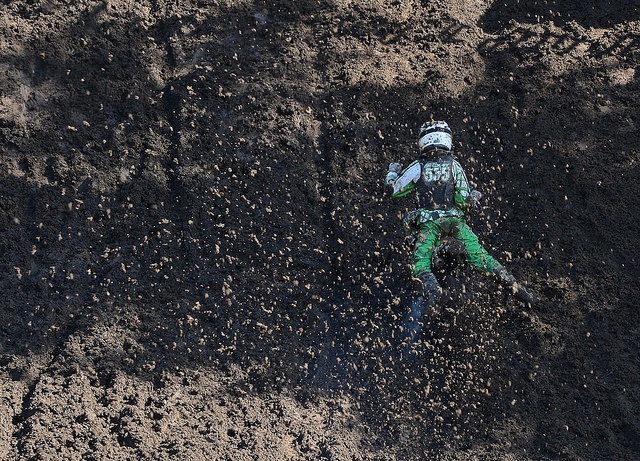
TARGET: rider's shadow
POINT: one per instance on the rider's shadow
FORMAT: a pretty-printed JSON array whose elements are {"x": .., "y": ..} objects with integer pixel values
[{"x": 451, "y": 349}]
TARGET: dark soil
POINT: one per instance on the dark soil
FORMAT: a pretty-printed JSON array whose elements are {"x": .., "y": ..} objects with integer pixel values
[{"x": 198, "y": 261}]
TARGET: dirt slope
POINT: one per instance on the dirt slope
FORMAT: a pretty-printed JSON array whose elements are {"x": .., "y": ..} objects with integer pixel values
[{"x": 198, "y": 261}]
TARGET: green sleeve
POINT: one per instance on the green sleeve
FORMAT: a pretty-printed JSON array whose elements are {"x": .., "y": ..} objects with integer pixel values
[
  {"x": 404, "y": 191},
  {"x": 407, "y": 180},
  {"x": 462, "y": 190}
]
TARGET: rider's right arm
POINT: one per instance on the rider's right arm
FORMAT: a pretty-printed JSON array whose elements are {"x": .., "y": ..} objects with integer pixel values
[
  {"x": 405, "y": 182},
  {"x": 462, "y": 189}
]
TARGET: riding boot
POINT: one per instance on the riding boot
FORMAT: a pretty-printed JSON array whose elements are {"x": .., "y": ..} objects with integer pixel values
[
  {"x": 518, "y": 290},
  {"x": 431, "y": 288}
]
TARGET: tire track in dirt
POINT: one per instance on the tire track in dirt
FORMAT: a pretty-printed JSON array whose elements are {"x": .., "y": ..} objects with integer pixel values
[
  {"x": 329, "y": 373},
  {"x": 171, "y": 108}
]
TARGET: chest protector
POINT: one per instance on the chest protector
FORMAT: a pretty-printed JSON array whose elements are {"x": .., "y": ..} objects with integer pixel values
[{"x": 436, "y": 188}]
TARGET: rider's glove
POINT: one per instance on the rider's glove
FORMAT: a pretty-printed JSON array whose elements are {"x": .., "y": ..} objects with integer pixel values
[
  {"x": 411, "y": 221},
  {"x": 474, "y": 199},
  {"x": 393, "y": 172}
]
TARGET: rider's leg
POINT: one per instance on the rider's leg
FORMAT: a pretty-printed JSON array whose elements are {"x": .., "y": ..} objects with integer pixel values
[
  {"x": 422, "y": 256},
  {"x": 477, "y": 256},
  {"x": 483, "y": 262}
]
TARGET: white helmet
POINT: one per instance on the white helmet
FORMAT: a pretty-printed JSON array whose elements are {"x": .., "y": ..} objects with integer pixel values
[{"x": 434, "y": 135}]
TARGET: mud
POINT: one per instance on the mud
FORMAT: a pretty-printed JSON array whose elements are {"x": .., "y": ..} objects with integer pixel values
[{"x": 198, "y": 261}]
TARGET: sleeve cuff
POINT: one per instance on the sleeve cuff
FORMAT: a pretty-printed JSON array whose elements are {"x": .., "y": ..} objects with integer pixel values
[{"x": 391, "y": 176}]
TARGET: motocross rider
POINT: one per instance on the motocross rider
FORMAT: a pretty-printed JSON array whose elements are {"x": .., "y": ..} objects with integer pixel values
[{"x": 443, "y": 196}]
